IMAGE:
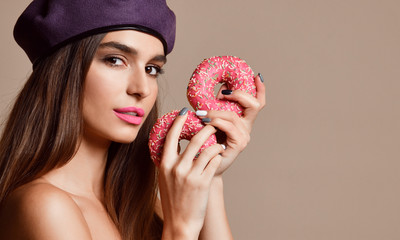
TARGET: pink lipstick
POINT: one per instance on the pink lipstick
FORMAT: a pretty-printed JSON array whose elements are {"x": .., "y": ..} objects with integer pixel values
[{"x": 130, "y": 115}]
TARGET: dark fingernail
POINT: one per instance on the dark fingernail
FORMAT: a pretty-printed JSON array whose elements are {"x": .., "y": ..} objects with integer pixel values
[
  {"x": 226, "y": 92},
  {"x": 261, "y": 77},
  {"x": 206, "y": 120},
  {"x": 183, "y": 111}
]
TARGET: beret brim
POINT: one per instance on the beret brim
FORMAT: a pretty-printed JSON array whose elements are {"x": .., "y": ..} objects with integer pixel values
[{"x": 47, "y": 25}]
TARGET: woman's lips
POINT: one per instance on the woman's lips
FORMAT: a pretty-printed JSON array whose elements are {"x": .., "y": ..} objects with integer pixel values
[{"x": 130, "y": 115}]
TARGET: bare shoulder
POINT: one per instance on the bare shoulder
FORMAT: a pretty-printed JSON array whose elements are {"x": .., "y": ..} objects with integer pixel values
[{"x": 41, "y": 211}]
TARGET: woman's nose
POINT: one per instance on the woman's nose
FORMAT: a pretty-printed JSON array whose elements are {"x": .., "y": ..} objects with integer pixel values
[{"x": 139, "y": 84}]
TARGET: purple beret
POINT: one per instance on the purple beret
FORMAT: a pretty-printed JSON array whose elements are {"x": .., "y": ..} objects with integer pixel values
[{"x": 46, "y": 25}]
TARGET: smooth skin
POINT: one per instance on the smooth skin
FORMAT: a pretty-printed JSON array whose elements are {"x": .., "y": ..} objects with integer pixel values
[{"x": 67, "y": 202}]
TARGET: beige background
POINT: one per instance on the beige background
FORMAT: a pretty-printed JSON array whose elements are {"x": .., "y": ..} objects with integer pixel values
[{"x": 324, "y": 158}]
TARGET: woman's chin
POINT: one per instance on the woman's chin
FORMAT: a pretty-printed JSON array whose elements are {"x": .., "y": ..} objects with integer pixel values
[{"x": 125, "y": 138}]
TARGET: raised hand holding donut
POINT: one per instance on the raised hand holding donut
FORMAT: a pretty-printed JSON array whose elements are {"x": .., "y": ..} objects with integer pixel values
[
  {"x": 237, "y": 129},
  {"x": 184, "y": 183},
  {"x": 241, "y": 93},
  {"x": 236, "y": 75},
  {"x": 191, "y": 191}
]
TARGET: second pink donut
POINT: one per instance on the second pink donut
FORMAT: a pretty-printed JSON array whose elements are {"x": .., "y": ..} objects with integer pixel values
[
  {"x": 160, "y": 129},
  {"x": 232, "y": 71}
]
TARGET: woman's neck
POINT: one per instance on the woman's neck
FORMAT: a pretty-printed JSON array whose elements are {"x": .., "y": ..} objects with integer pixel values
[{"x": 83, "y": 175}]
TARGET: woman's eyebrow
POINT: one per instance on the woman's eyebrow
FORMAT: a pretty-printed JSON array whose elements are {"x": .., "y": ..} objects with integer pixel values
[
  {"x": 129, "y": 50},
  {"x": 118, "y": 46},
  {"x": 160, "y": 58}
]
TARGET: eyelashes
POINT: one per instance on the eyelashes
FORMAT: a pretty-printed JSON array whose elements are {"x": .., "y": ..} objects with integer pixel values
[
  {"x": 154, "y": 70},
  {"x": 115, "y": 62}
]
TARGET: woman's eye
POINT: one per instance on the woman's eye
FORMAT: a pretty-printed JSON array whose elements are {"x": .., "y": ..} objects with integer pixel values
[
  {"x": 114, "y": 61},
  {"x": 153, "y": 70}
]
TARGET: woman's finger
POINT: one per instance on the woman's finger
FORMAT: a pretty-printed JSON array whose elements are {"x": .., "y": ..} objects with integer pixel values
[
  {"x": 252, "y": 105},
  {"x": 260, "y": 89},
  {"x": 237, "y": 136},
  {"x": 206, "y": 116},
  {"x": 212, "y": 167},
  {"x": 231, "y": 121},
  {"x": 195, "y": 144},
  {"x": 172, "y": 139},
  {"x": 206, "y": 156}
]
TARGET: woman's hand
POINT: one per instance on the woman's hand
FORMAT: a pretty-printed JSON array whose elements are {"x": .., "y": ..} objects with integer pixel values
[
  {"x": 184, "y": 183},
  {"x": 237, "y": 129},
  {"x": 237, "y": 134}
]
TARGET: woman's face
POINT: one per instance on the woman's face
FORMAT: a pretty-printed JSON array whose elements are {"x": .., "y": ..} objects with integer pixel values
[{"x": 121, "y": 85}]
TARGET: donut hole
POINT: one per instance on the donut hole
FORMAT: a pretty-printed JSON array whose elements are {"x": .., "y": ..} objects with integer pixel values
[{"x": 218, "y": 87}]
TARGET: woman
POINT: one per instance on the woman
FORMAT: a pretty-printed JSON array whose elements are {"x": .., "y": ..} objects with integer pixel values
[{"x": 74, "y": 161}]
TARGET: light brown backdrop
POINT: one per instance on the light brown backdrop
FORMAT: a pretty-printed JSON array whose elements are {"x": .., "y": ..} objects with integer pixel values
[{"x": 323, "y": 162}]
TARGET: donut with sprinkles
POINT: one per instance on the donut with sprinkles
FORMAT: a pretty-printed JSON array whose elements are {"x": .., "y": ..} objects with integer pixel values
[
  {"x": 160, "y": 129},
  {"x": 229, "y": 70}
]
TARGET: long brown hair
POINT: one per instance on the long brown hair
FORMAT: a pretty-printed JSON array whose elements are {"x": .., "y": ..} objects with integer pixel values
[{"x": 43, "y": 132}]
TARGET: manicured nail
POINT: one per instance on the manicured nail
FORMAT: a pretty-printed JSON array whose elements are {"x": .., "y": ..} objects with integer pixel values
[
  {"x": 261, "y": 77},
  {"x": 201, "y": 113},
  {"x": 206, "y": 120},
  {"x": 223, "y": 146},
  {"x": 183, "y": 111},
  {"x": 226, "y": 92}
]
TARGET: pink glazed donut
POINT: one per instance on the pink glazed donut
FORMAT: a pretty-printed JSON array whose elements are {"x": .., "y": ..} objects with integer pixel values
[
  {"x": 160, "y": 129},
  {"x": 232, "y": 71}
]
